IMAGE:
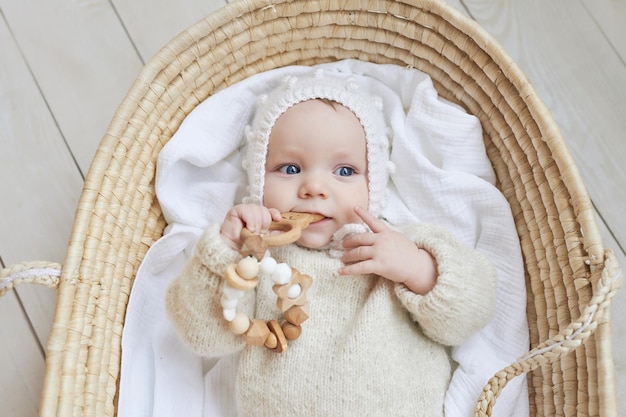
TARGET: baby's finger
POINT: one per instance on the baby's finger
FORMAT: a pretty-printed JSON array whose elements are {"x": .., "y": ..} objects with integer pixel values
[
  {"x": 258, "y": 219},
  {"x": 275, "y": 214},
  {"x": 358, "y": 268},
  {"x": 359, "y": 239},
  {"x": 267, "y": 216},
  {"x": 359, "y": 254},
  {"x": 375, "y": 224}
]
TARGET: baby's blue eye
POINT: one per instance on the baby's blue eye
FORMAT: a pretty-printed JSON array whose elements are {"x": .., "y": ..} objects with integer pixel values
[
  {"x": 290, "y": 169},
  {"x": 344, "y": 171}
]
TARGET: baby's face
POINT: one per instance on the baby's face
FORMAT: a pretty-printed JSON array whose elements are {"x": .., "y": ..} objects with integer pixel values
[{"x": 316, "y": 162}]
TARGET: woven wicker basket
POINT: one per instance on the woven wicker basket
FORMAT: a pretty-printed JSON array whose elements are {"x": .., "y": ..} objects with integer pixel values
[{"x": 570, "y": 278}]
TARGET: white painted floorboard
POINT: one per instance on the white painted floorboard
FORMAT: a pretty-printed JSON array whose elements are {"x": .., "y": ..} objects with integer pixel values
[{"x": 65, "y": 65}]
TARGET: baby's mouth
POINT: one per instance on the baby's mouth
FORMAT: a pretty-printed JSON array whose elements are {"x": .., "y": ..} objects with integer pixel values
[
  {"x": 313, "y": 216},
  {"x": 319, "y": 217},
  {"x": 321, "y": 221}
]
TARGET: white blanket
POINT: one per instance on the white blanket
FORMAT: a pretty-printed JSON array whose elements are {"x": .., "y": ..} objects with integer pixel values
[{"x": 443, "y": 176}]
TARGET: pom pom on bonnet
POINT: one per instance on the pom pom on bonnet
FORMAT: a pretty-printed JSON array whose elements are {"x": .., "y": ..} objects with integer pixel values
[{"x": 342, "y": 89}]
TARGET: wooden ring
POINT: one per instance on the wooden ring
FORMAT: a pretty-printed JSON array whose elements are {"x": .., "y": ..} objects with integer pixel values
[{"x": 291, "y": 225}]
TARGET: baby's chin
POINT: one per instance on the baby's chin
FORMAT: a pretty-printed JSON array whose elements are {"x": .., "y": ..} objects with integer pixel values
[{"x": 314, "y": 242}]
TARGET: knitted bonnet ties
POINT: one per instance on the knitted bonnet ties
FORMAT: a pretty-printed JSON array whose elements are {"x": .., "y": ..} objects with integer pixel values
[{"x": 341, "y": 88}]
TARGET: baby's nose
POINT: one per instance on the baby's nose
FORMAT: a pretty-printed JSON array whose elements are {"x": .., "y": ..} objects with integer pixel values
[{"x": 313, "y": 186}]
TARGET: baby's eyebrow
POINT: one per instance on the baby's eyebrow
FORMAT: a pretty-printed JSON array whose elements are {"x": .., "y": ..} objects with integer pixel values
[{"x": 350, "y": 156}]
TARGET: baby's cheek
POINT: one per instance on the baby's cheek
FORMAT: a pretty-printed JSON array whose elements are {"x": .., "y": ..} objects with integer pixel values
[
  {"x": 354, "y": 219},
  {"x": 275, "y": 197}
]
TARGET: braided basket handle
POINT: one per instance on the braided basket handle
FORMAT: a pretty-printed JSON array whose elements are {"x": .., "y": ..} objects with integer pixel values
[
  {"x": 37, "y": 272},
  {"x": 565, "y": 342}
]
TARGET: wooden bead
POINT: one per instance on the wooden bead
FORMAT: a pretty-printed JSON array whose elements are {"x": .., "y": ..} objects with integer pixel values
[
  {"x": 239, "y": 324},
  {"x": 284, "y": 302},
  {"x": 235, "y": 281},
  {"x": 291, "y": 331},
  {"x": 298, "y": 314},
  {"x": 248, "y": 268},
  {"x": 271, "y": 342},
  {"x": 253, "y": 245},
  {"x": 257, "y": 332},
  {"x": 275, "y": 328}
]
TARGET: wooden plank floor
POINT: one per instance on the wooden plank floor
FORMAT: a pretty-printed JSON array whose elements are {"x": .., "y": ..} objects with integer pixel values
[{"x": 65, "y": 65}]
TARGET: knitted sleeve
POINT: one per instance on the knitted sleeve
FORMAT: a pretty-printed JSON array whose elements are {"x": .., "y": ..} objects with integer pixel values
[
  {"x": 463, "y": 299},
  {"x": 193, "y": 298}
]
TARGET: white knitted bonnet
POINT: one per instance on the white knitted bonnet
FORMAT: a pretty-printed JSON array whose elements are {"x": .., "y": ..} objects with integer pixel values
[{"x": 342, "y": 89}]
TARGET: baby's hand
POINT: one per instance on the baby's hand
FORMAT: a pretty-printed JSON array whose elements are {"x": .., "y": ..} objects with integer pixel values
[
  {"x": 254, "y": 217},
  {"x": 390, "y": 254}
]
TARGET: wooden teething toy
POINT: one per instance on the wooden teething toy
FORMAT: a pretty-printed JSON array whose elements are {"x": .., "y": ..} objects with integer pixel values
[
  {"x": 290, "y": 285},
  {"x": 290, "y": 225}
]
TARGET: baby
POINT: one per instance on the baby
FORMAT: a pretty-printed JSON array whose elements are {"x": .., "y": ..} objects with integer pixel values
[{"x": 386, "y": 300}]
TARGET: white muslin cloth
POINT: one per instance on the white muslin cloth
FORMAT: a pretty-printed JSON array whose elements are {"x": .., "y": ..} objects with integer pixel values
[{"x": 442, "y": 176}]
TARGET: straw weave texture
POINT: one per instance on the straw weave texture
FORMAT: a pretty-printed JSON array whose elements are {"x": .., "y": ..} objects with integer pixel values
[{"x": 570, "y": 278}]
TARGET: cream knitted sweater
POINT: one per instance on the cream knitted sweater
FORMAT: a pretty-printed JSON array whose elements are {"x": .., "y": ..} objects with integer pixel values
[{"x": 370, "y": 347}]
